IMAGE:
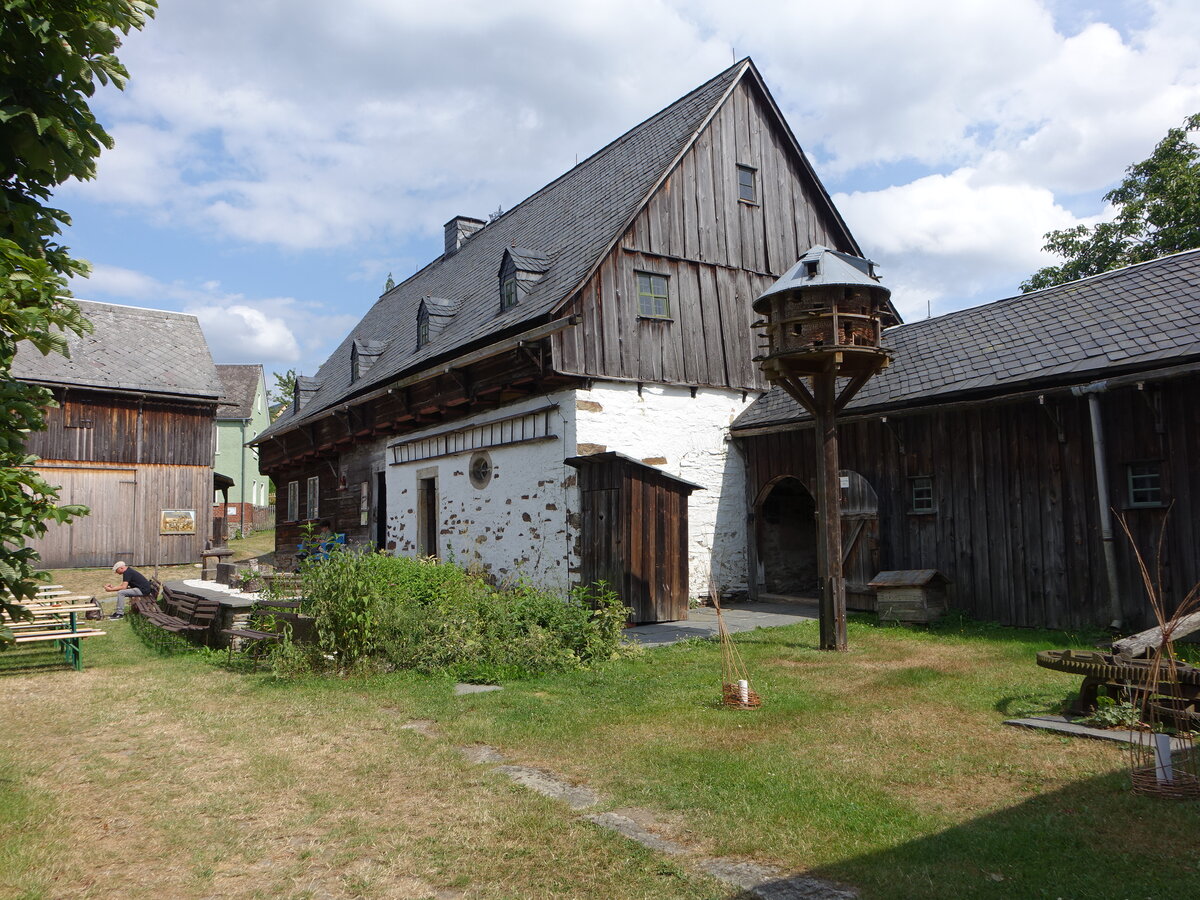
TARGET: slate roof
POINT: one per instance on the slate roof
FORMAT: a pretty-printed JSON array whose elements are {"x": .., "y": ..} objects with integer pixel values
[
  {"x": 150, "y": 351},
  {"x": 566, "y": 227},
  {"x": 240, "y": 384},
  {"x": 1140, "y": 317}
]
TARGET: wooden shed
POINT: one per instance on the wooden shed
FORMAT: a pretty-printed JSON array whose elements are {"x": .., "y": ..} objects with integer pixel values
[
  {"x": 633, "y": 534},
  {"x": 131, "y": 437}
]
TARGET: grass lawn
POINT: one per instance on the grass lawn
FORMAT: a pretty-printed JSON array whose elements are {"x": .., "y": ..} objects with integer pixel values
[{"x": 886, "y": 768}]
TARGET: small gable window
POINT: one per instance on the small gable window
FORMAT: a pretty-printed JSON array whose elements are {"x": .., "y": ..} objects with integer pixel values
[
  {"x": 653, "y": 300},
  {"x": 1145, "y": 484},
  {"x": 747, "y": 184},
  {"x": 921, "y": 494},
  {"x": 508, "y": 292},
  {"x": 422, "y": 326}
]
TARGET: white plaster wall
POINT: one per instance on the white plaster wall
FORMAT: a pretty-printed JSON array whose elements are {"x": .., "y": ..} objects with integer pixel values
[
  {"x": 515, "y": 526},
  {"x": 666, "y": 426}
]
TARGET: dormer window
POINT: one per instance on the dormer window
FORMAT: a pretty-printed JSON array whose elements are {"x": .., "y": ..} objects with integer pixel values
[
  {"x": 520, "y": 271},
  {"x": 434, "y": 315},
  {"x": 363, "y": 355},
  {"x": 508, "y": 293},
  {"x": 422, "y": 326},
  {"x": 747, "y": 184}
]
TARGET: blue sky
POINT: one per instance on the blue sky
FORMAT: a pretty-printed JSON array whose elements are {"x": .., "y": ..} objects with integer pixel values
[{"x": 275, "y": 160}]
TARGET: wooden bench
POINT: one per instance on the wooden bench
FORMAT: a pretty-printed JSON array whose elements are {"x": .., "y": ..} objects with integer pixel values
[
  {"x": 180, "y": 613},
  {"x": 277, "y": 612}
]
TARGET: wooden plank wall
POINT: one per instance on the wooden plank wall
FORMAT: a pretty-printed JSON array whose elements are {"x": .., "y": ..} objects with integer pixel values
[
  {"x": 718, "y": 252},
  {"x": 1017, "y": 526},
  {"x": 634, "y": 537},
  {"x": 93, "y": 426},
  {"x": 126, "y": 503}
]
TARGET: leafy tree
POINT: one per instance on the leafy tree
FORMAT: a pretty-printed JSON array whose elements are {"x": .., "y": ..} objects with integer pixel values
[
  {"x": 281, "y": 395},
  {"x": 52, "y": 55},
  {"x": 1158, "y": 213}
]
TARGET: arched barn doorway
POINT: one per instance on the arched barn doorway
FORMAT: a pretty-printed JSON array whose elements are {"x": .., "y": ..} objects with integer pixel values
[{"x": 787, "y": 539}]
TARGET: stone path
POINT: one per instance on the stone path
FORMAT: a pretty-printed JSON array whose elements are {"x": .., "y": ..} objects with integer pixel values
[
  {"x": 641, "y": 826},
  {"x": 1063, "y": 725}
]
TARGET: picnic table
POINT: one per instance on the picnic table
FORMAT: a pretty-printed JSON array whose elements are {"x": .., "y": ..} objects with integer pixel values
[{"x": 56, "y": 617}]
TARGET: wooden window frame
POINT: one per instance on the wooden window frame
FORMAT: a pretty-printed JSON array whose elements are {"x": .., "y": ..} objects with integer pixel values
[
  {"x": 293, "y": 501},
  {"x": 312, "y": 497},
  {"x": 928, "y": 504},
  {"x": 649, "y": 301},
  {"x": 753, "y": 186},
  {"x": 422, "y": 327},
  {"x": 1152, "y": 470},
  {"x": 508, "y": 293}
]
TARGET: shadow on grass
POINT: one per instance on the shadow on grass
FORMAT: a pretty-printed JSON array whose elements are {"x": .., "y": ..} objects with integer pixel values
[
  {"x": 23, "y": 660},
  {"x": 1030, "y": 850}
]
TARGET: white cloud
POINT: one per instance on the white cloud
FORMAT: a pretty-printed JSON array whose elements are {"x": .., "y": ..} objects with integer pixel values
[
  {"x": 271, "y": 330},
  {"x": 237, "y": 331},
  {"x": 364, "y": 125},
  {"x": 943, "y": 239}
]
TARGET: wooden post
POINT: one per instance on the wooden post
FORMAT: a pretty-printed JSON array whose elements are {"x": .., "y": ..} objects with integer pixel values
[{"x": 829, "y": 519}]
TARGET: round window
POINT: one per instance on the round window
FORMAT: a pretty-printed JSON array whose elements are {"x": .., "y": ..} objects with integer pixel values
[{"x": 481, "y": 470}]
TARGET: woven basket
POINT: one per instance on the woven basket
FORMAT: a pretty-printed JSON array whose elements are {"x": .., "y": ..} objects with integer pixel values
[{"x": 733, "y": 700}]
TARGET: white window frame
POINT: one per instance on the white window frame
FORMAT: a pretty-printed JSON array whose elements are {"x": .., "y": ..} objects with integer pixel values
[
  {"x": 312, "y": 498},
  {"x": 293, "y": 501}
]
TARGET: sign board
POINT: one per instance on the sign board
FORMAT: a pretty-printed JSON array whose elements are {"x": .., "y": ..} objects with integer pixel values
[{"x": 177, "y": 521}]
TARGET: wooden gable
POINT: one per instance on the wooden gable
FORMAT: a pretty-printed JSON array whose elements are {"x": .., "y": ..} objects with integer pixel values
[{"x": 717, "y": 250}]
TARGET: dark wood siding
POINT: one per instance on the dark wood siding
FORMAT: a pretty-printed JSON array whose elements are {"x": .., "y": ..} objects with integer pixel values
[
  {"x": 718, "y": 252},
  {"x": 633, "y": 535},
  {"x": 92, "y": 426},
  {"x": 1017, "y": 527}
]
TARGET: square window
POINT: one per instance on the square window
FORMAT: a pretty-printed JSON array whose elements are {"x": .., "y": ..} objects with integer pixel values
[
  {"x": 1145, "y": 484},
  {"x": 312, "y": 510},
  {"x": 653, "y": 302},
  {"x": 293, "y": 501},
  {"x": 747, "y": 184},
  {"x": 921, "y": 494},
  {"x": 508, "y": 293}
]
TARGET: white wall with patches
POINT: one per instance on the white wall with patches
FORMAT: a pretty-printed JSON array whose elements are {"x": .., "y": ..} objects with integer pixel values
[
  {"x": 668, "y": 427},
  {"x": 517, "y": 524}
]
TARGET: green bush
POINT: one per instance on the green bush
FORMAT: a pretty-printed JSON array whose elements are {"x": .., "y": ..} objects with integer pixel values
[{"x": 376, "y": 611}]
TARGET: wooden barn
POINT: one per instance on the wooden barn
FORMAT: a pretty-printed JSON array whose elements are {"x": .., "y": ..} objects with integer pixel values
[
  {"x": 609, "y": 312},
  {"x": 1002, "y": 448},
  {"x": 131, "y": 437}
]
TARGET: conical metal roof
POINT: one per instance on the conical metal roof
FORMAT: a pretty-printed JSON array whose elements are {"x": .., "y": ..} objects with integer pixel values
[{"x": 821, "y": 267}]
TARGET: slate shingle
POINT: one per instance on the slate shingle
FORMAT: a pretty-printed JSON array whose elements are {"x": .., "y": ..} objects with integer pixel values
[
  {"x": 150, "y": 351},
  {"x": 1131, "y": 317},
  {"x": 570, "y": 222}
]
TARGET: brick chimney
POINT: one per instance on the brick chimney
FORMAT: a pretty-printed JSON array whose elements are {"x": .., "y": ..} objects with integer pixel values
[{"x": 458, "y": 230}]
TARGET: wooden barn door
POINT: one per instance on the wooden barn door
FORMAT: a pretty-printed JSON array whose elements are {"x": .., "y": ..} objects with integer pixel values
[
  {"x": 603, "y": 540},
  {"x": 860, "y": 539},
  {"x": 110, "y": 532}
]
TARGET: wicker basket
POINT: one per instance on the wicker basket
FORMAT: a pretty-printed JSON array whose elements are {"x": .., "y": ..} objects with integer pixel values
[{"x": 732, "y": 698}]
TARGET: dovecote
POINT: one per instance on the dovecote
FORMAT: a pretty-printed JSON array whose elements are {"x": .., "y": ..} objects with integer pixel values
[
  {"x": 433, "y": 315},
  {"x": 363, "y": 355},
  {"x": 520, "y": 270}
]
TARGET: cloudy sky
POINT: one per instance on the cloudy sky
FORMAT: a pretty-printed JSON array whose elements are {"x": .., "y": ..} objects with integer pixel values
[{"x": 277, "y": 159}]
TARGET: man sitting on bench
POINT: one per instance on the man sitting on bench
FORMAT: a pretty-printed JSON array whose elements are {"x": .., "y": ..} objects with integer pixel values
[{"x": 134, "y": 584}]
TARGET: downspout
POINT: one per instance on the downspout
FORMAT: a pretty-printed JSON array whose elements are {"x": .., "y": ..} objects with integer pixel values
[
  {"x": 242, "y": 485},
  {"x": 1092, "y": 392}
]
